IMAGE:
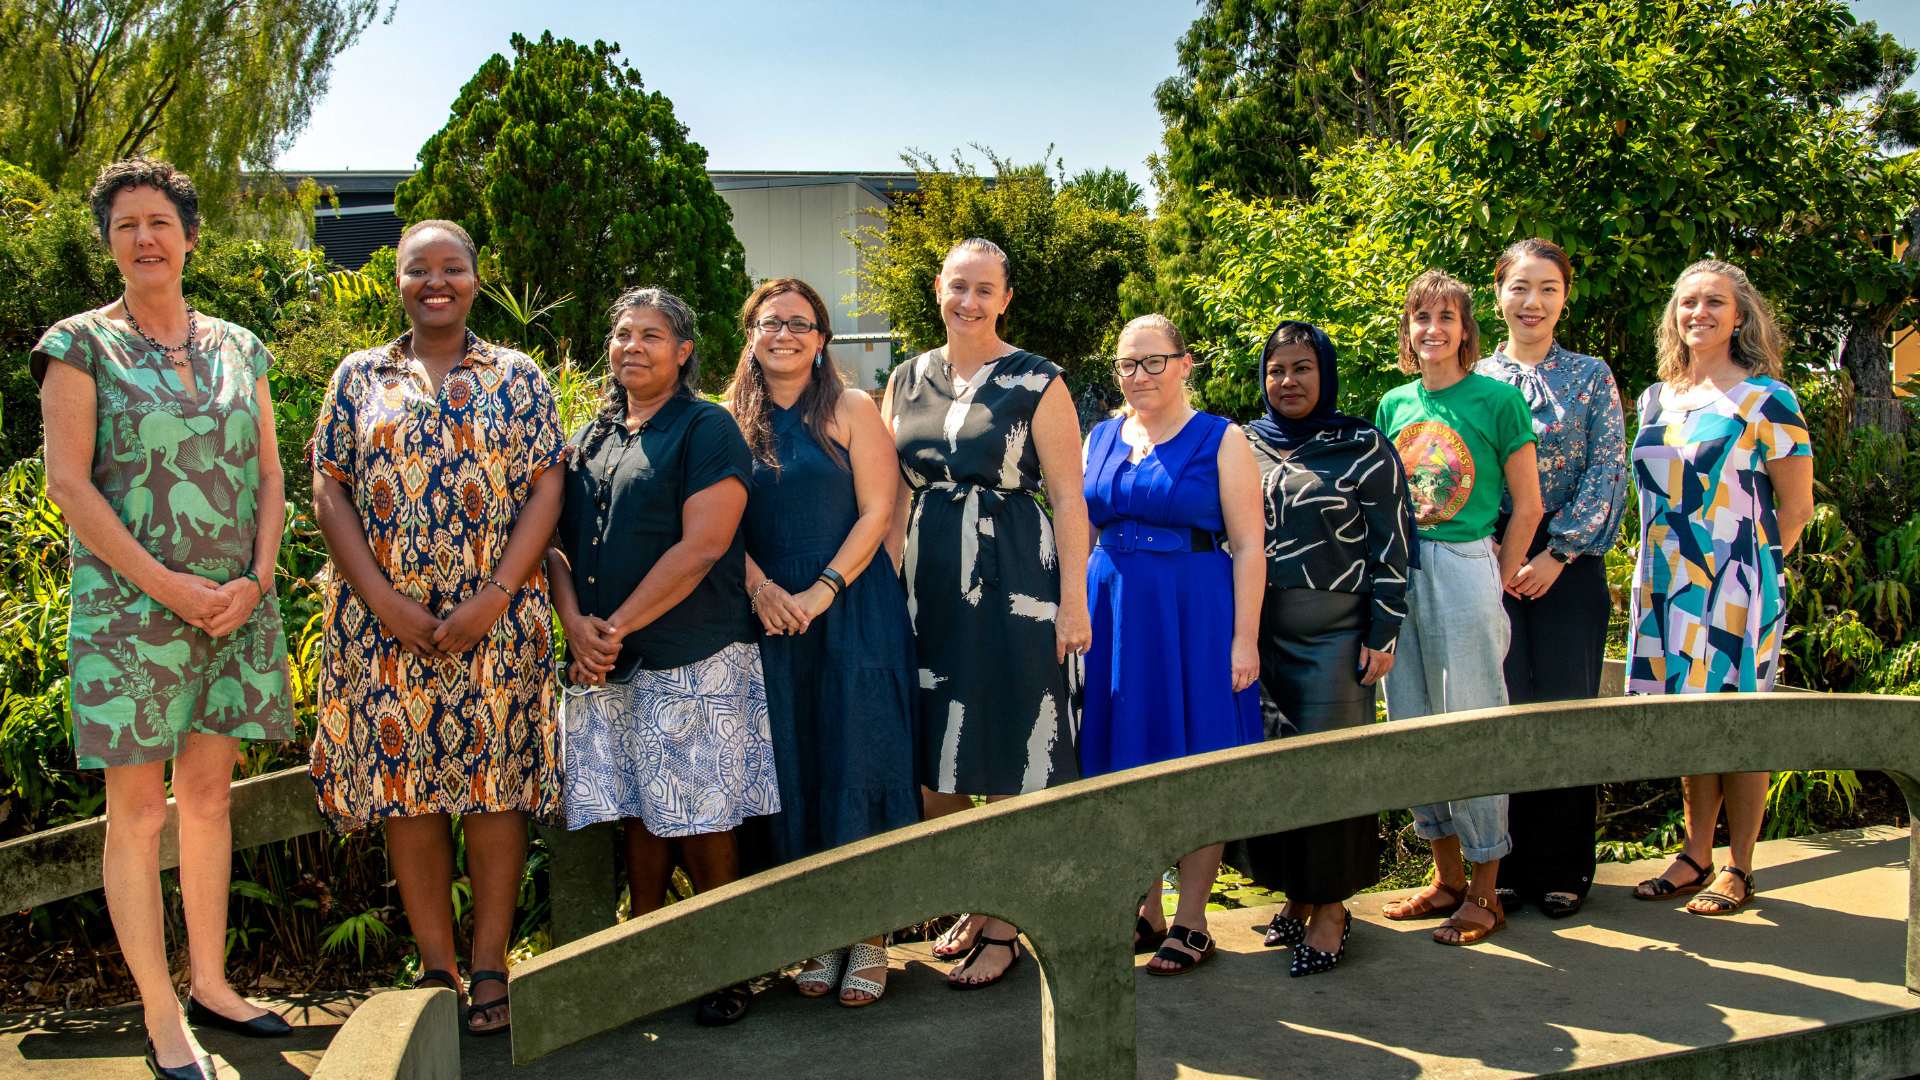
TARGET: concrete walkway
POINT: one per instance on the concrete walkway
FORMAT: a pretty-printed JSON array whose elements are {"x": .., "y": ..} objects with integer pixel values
[{"x": 1821, "y": 945}]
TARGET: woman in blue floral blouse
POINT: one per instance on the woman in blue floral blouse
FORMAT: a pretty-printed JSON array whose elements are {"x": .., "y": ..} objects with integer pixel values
[{"x": 1558, "y": 604}]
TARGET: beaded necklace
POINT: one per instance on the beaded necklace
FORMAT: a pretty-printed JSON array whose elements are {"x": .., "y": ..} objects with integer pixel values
[{"x": 185, "y": 349}]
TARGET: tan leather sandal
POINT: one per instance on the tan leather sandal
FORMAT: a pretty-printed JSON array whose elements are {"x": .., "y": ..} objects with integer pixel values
[
  {"x": 1418, "y": 906},
  {"x": 1466, "y": 933}
]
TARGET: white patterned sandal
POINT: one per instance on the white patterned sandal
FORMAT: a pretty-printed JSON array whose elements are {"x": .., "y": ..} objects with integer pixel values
[
  {"x": 861, "y": 957},
  {"x": 820, "y": 981}
]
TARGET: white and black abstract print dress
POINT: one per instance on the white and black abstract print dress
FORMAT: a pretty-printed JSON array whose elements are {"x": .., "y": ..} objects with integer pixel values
[{"x": 997, "y": 712}]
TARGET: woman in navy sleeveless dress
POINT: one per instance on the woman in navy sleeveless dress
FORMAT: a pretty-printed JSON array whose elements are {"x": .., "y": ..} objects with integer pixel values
[
  {"x": 1175, "y": 617},
  {"x": 836, "y": 643}
]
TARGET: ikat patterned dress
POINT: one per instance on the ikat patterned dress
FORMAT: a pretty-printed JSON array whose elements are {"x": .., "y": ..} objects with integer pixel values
[
  {"x": 998, "y": 713},
  {"x": 439, "y": 481},
  {"x": 1708, "y": 590},
  {"x": 181, "y": 468}
]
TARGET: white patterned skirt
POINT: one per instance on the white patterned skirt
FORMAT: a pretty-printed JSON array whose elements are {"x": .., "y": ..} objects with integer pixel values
[{"x": 686, "y": 750}]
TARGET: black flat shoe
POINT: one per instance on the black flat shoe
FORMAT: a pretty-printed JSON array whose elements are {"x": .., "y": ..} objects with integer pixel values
[
  {"x": 268, "y": 1025},
  {"x": 1284, "y": 931},
  {"x": 1308, "y": 960},
  {"x": 201, "y": 1069},
  {"x": 1561, "y": 905},
  {"x": 723, "y": 1007}
]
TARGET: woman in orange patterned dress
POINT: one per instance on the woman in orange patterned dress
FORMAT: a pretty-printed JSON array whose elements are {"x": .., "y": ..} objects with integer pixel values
[{"x": 434, "y": 489}]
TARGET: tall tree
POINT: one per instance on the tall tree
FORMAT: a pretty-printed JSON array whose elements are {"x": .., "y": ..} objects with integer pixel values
[
  {"x": 215, "y": 86},
  {"x": 580, "y": 181},
  {"x": 1639, "y": 136},
  {"x": 1263, "y": 87}
]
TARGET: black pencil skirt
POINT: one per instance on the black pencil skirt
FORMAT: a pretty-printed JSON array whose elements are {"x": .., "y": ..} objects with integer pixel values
[{"x": 1310, "y": 643}]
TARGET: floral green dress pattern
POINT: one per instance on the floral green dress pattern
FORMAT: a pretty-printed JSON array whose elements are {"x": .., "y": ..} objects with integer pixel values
[
  {"x": 439, "y": 480},
  {"x": 181, "y": 468}
]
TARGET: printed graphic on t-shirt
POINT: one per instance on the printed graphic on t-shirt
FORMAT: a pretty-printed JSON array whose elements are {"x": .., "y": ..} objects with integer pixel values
[{"x": 1439, "y": 470}]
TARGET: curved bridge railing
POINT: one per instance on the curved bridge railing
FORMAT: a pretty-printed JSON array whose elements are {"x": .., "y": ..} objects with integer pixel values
[{"x": 1065, "y": 865}]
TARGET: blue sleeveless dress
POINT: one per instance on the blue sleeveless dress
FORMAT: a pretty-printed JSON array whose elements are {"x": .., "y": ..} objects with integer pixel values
[
  {"x": 1159, "y": 676},
  {"x": 840, "y": 696}
]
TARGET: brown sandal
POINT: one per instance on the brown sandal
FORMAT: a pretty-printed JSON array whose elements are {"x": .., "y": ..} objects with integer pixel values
[
  {"x": 1466, "y": 933},
  {"x": 1659, "y": 888},
  {"x": 1420, "y": 907}
]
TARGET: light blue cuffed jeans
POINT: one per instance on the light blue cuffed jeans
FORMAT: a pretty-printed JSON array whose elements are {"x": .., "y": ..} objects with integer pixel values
[{"x": 1449, "y": 658}]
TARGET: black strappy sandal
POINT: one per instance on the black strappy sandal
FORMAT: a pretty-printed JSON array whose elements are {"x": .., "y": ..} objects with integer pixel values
[
  {"x": 1720, "y": 903},
  {"x": 980, "y": 944},
  {"x": 1145, "y": 937},
  {"x": 475, "y": 1009},
  {"x": 1199, "y": 941},
  {"x": 1284, "y": 931},
  {"x": 1659, "y": 888}
]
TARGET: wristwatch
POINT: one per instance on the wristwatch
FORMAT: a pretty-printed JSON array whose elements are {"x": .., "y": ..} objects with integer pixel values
[{"x": 1560, "y": 557}]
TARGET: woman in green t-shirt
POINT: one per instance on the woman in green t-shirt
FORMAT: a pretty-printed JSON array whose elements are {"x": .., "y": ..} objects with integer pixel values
[{"x": 1460, "y": 435}]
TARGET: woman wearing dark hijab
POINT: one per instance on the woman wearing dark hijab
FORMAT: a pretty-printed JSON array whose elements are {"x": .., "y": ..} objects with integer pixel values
[{"x": 1337, "y": 528}]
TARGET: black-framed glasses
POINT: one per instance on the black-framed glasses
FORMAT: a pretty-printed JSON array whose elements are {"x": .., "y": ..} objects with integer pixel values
[
  {"x": 771, "y": 325},
  {"x": 1152, "y": 364}
]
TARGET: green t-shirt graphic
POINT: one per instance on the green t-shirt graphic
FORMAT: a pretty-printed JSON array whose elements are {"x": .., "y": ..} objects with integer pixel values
[{"x": 1454, "y": 444}]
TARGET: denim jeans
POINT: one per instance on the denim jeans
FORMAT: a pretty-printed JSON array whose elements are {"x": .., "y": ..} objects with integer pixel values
[{"x": 1450, "y": 658}]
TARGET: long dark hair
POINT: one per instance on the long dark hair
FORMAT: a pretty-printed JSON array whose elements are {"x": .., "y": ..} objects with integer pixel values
[{"x": 819, "y": 403}]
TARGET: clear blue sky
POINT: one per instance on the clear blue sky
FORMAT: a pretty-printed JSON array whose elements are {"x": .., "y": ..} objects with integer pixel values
[
  {"x": 808, "y": 84},
  {"x": 795, "y": 84}
]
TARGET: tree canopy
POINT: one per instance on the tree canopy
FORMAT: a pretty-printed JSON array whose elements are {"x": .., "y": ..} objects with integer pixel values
[
  {"x": 1263, "y": 87},
  {"x": 580, "y": 182},
  {"x": 1069, "y": 257},
  {"x": 1640, "y": 137},
  {"x": 214, "y": 86}
]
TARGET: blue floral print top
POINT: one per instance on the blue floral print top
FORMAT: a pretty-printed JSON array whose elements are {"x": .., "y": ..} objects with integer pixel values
[{"x": 1582, "y": 444}]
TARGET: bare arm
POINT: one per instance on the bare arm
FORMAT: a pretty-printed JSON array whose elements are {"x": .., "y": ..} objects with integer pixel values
[
  {"x": 708, "y": 520},
  {"x": 406, "y": 619},
  {"x": 876, "y": 471},
  {"x": 1056, "y": 438},
  {"x": 1792, "y": 496},
  {"x": 1523, "y": 483},
  {"x": 1245, "y": 515},
  {"x": 476, "y": 615},
  {"x": 68, "y": 412},
  {"x": 896, "y": 539}
]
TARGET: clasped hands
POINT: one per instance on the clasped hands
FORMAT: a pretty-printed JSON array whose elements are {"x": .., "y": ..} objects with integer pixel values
[
  {"x": 1534, "y": 577},
  {"x": 431, "y": 638},
  {"x": 595, "y": 645},
  {"x": 782, "y": 612},
  {"x": 217, "y": 609}
]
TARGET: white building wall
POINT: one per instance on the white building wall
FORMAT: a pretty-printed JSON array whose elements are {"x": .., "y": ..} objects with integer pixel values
[{"x": 801, "y": 231}]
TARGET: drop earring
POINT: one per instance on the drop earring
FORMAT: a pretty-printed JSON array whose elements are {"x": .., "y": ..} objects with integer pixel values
[{"x": 819, "y": 358}]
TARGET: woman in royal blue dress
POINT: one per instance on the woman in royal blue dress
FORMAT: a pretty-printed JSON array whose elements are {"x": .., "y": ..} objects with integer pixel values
[{"x": 1167, "y": 675}]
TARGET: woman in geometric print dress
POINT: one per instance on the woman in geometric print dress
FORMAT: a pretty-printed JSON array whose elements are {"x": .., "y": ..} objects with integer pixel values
[
  {"x": 1725, "y": 472},
  {"x": 161, "y": 455},
  {"x": 434, "y": 488},
  {"x": 997, "y": 592}
]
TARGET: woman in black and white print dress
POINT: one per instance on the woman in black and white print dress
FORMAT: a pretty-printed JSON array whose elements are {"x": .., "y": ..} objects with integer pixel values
[{"x": 996, "y": 590}]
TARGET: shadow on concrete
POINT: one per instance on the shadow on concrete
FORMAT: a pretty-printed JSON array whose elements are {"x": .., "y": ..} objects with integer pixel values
[{"x": 111, "y": 1042}]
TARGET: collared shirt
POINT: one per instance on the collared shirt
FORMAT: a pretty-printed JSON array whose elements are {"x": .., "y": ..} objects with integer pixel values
[
  {"x": 624, "y": 495},
  {"x": 1582, "y": 445}
]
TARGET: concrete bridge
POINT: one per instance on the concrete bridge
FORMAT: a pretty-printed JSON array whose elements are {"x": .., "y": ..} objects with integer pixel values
[{"x": 1824, "y": 988}]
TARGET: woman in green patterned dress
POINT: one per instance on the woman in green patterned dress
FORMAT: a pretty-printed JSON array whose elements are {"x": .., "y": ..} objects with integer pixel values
[{"x": 161, "y": 455}]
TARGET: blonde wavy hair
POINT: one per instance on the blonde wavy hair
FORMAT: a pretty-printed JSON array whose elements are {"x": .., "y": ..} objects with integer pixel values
[
  {"x": 1438, "y": 286},
  {"x": 1756, "y": 344}
]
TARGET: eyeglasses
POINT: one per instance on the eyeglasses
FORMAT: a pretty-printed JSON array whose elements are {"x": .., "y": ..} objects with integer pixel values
[
  {"x": 796, "y": 326},
  {"x": 1152, "y": 364}
]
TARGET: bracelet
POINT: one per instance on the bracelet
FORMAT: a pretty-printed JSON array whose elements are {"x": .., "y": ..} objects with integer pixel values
[
  {"x": 753, "y": 597},
  {"x": 833, "y": 579},
  {"x": 255, "y": 578},
  {"x": 495, "y": 582}
]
